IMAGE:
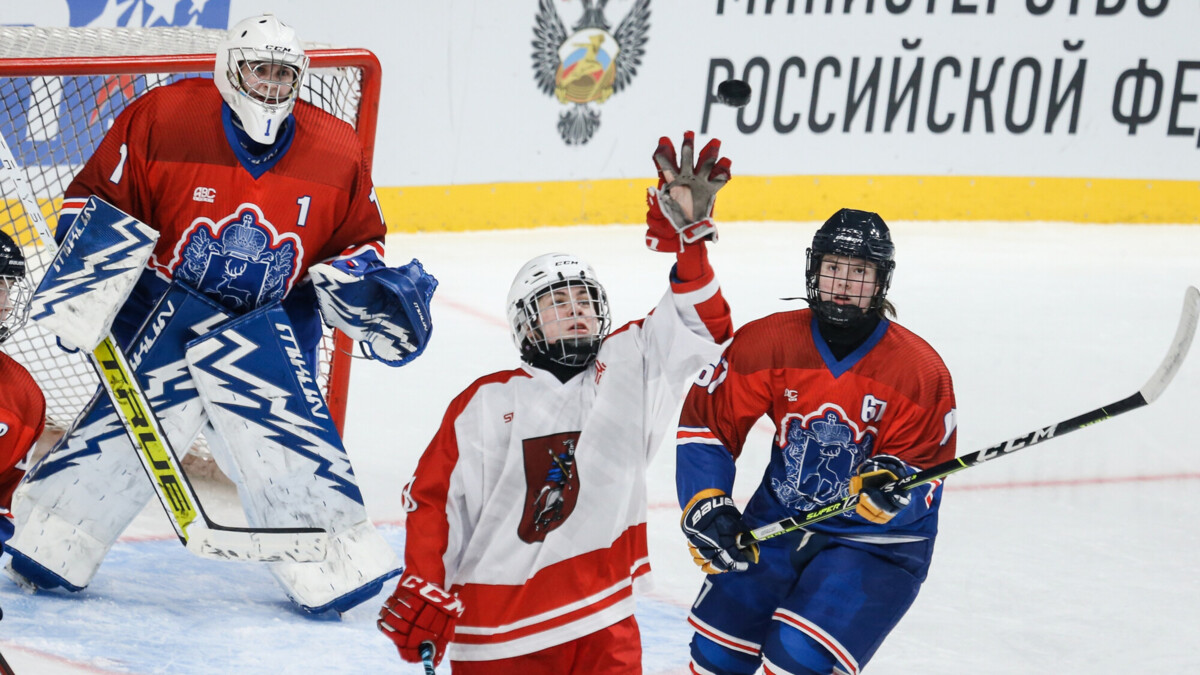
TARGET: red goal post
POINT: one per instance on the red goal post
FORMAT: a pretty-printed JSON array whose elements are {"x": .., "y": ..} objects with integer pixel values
[{"x": 60, "y": 89}]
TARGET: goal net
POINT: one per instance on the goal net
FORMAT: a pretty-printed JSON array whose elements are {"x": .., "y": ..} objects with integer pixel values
[{"x": 61, "y": 89}]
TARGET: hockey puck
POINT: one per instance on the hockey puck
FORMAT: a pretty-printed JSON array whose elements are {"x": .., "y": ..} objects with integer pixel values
[{"x": 734, "y": 93}]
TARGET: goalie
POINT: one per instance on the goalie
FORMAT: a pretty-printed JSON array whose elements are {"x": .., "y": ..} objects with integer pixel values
[{"x": 258, "y": 210}]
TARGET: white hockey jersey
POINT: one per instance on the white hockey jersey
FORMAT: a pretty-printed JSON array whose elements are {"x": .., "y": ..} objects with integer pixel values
[{"x": 530, "y": 502}]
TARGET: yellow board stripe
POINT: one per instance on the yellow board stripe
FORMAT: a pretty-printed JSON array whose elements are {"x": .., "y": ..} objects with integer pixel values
[
  {"x": 499, "y": 206},
  {"x": 806, "y": 198}
]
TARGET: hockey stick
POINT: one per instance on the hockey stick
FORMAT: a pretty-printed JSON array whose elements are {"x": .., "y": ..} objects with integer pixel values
[
  {"x": 1144, "y": 396},
  {"x": 428, "y": 653},
  {"x": 195, "y": 529}
]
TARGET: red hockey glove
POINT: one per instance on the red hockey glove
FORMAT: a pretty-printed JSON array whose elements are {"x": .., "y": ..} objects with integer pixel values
[
  {"x": 419, "y": 611},
  {"x": 680, "y": 210},
  {"x": 712, "y": 524},
  {"x": 874, "y": 503}
]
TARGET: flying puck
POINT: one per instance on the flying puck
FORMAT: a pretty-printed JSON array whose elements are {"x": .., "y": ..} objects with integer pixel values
[{"x": 735, "y": 93}]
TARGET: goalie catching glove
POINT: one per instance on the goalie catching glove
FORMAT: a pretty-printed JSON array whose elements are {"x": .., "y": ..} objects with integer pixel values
[
  {"x": 680, "y": 210},
  {"x": 419, "y": 611},
  {"x": 386, "y": 309},
  {"x": 712, "y": 524},
  {"x": 874, "y": 503}
]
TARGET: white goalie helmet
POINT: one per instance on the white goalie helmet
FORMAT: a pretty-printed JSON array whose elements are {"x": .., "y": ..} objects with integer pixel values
[
  {"x": 558, "y": 309},
  {"x": 260, "y": 66}
]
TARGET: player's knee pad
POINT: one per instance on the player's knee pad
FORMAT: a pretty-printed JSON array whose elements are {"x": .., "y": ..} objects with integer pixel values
[
  {"x": 713, "y": 658},
  {"x": 787, "y": 650},
  {"x": 77, "y": 500},
  {"x": 275, "y": 434}
]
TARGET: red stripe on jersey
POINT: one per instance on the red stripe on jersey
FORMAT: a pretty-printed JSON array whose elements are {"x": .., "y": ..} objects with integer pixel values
[
  {"x": 804, "y": 626},
  {"x": 690, "y": 433},
  {"x": 720, "y": 639},
  {"x": 427, "y": 529},
  {"x": 555, "y": 587},
  {"x": 626, "y": 327},
  {"x": 714, "y": 312},
  {"x": 543, "y": 626}
]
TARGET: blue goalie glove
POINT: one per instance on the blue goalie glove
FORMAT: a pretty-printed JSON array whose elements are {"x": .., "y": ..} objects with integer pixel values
[{"x": 386, "y": 309}]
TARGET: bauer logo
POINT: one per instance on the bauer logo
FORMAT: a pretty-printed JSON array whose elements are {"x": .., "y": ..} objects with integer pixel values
[{"x": 586, "y": 66}]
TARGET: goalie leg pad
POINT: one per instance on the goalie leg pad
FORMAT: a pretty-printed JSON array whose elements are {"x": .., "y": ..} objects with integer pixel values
[
  {"x": 92, "y": 274},
  {"x": 78, "y": 499},
  {"x": 277, "y": 442}
]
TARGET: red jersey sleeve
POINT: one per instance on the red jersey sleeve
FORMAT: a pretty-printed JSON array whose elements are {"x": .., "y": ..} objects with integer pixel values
[
  {"x": 22, "y": 420},
  {"x": 721, "y": 407}
]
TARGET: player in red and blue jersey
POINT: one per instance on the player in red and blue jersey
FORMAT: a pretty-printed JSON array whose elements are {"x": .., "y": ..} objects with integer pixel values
[
  {"x": 856, "y": 400},
  {"x": 22, "y": 405}
]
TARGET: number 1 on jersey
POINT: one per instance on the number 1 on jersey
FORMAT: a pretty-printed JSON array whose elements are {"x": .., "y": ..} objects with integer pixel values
[{"x": 304, "y": 203}]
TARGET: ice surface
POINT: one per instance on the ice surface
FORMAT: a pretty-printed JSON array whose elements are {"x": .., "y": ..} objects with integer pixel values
[{"x": 1077, "y": 556}]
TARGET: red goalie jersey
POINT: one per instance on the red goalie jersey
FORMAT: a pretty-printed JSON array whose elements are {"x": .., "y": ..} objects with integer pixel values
[{"x": 243, "y": 228}]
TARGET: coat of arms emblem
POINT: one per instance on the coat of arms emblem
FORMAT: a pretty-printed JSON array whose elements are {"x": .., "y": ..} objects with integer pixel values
[{"x": 586, "y": 67}]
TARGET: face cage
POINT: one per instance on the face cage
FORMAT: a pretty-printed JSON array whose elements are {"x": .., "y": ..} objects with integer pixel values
[
  {"x": 270, "y": 93},
  {"x": 845, "y": 314},
  {"x": 568, "y": 351},
  {"x": 15, "y": 297}
]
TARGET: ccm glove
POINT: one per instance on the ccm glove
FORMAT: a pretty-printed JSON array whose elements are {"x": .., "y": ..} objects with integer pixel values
[
  {"x": 874, "y": 503},
  {"x": 680, "y": 209},
  {"x": 711, "y": 524},
  {"x": 419, "y": 611}
]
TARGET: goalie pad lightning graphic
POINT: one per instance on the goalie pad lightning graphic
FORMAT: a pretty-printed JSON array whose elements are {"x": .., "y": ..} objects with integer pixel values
[
  {"x": 260, "y": 395},
  {"x": 101, "y": 259}
]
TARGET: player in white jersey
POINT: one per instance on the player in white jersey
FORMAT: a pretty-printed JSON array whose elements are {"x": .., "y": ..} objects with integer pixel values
[{"x": 527, "y": 516}]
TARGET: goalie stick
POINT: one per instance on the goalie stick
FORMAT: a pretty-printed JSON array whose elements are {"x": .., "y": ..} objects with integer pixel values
[
  {"x": 195, "y": 529},
  {"x": 1144, "y": 396}
]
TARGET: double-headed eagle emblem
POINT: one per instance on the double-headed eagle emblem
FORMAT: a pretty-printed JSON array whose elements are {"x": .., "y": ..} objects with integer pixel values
[{"x": 589, "y": 65}]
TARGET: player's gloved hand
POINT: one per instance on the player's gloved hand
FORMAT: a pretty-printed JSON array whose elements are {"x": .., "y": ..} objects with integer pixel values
[
  {"x": 712, "y": 523},
  {"x": 874, "y": 503},
  {"x": 419, "y": 611},
  {"x": 680, "y": 209}
]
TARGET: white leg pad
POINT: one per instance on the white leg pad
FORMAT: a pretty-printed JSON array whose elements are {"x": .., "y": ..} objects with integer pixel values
[{"x": 359, "y": 560}]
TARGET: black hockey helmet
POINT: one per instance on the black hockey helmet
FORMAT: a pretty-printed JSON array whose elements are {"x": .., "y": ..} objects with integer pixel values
[
  {"x": 854, "y": 234},
  {"x": 15, "y": 291}
]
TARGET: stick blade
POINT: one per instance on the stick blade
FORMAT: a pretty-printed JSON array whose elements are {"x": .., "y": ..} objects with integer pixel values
[
  {"x": 1179, "y": 347},
  {"x": 257, "y": 546}
]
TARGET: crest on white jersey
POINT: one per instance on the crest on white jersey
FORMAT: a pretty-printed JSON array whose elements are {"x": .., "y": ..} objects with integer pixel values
[{"x": 551, "y": 484}]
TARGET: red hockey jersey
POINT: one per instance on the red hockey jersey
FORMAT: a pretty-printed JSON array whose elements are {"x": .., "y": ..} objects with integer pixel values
[
  {"x": 22, "y": 418},
  {"x": 241, "y": 228},
  {"x": 892, "y": 395}
]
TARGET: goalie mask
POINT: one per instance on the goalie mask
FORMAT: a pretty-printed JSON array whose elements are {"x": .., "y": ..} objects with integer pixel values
[
  {"x": 15, "y": 290},
  {"x": 850, "y": 267},
  {"x": 558, "y": 310},
  {"x": 260, "y": 65}
]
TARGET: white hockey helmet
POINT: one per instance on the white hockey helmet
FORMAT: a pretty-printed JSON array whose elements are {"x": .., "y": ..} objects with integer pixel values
[
  {"x": 260, "y": 66},
  {"x": 540, "y": 276}
]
